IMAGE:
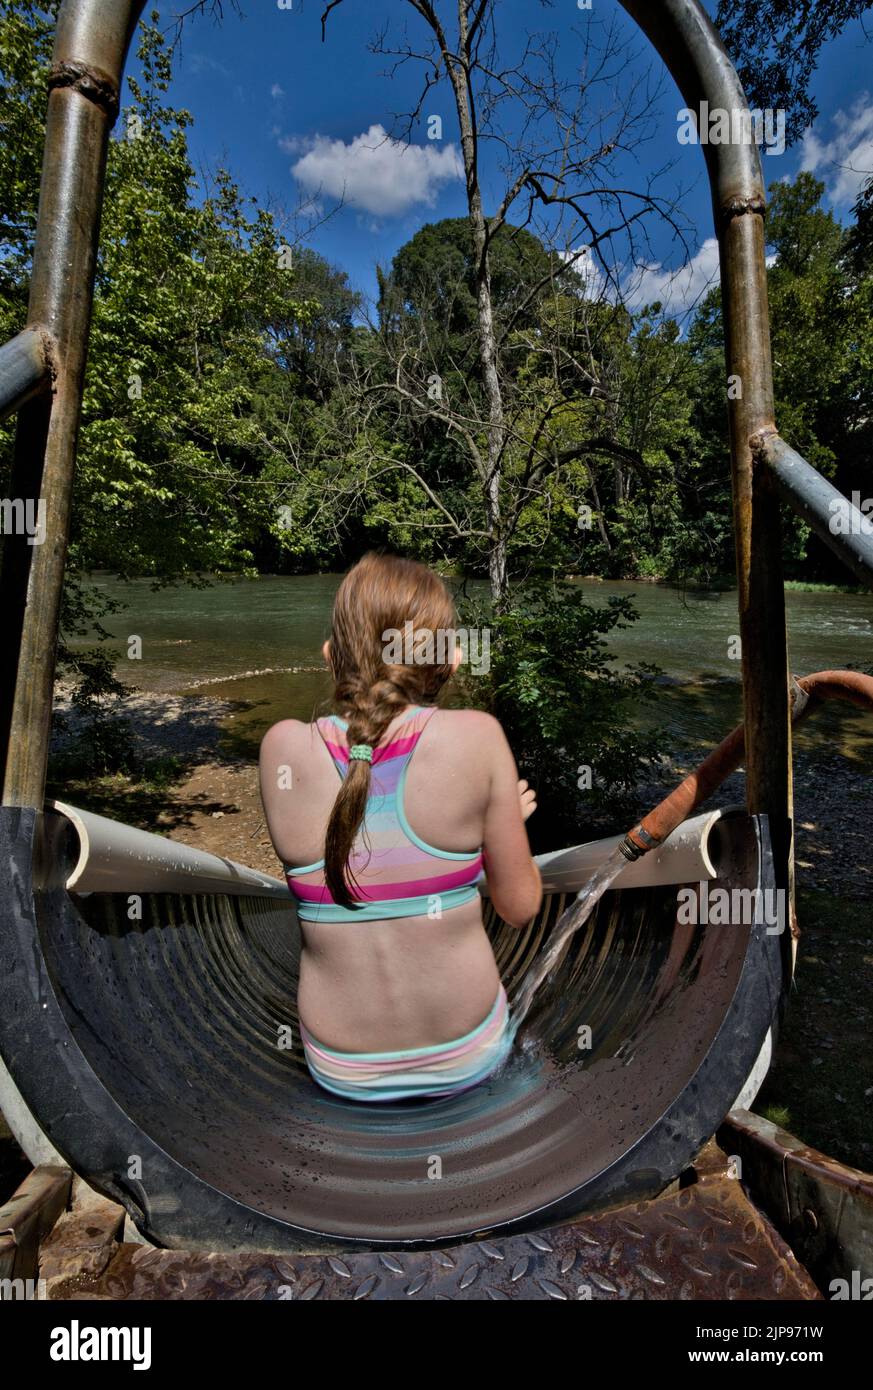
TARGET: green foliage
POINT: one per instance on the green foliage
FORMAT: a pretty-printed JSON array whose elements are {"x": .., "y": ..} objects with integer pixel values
[
  {"x": 859, "y": 241},
  {"x": 195, "y": 320},
  {"x": 171, "y": 443},
  {"x": 26, "y": 36},
  {"x": 432, "y": 277},
  {"x": 645, "y": 471},
  {"x": 564, "y": 706},
  {"x": 821, "y": 314},
  {"x": 99, "y": 739},
  {"x": 197, "y": 331},
  {"x": 776, "y": 45}
]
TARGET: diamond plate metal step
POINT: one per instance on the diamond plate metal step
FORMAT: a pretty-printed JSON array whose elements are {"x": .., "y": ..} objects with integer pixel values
[{"x": 706, "y": 1241}]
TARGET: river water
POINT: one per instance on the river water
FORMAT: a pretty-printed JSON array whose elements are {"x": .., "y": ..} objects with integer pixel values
[{"x": 258, "y": 641}]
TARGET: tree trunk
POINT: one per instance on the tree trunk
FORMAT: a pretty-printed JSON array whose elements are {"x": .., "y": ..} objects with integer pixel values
[
  {"x": 601, "y": 524},
  {"x": 488, "y": 356},
  {"x": 496, "y": 424}
]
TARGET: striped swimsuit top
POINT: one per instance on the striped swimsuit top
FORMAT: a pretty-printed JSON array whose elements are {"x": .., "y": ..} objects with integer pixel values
[{"x": 398, "y": 874}]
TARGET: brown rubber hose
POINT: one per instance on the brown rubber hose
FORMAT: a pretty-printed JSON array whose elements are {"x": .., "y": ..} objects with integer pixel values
[{"x": 808, "y": 692}]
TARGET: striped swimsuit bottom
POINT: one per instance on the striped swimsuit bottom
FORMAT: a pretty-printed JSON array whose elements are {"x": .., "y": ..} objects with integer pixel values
[
  {"x": 428, "y": 1072},
  {"x": 398, "y": 875}
]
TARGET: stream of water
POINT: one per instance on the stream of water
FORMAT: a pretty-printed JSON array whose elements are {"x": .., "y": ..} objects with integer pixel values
[{"x": 570, "y": 921}]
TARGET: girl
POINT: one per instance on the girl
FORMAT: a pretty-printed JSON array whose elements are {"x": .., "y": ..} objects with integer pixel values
[{"x": 383, "y": 816}]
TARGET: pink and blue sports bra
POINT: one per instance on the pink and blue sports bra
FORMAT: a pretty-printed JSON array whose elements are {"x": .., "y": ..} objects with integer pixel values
[{"x": 398, "y": 874}]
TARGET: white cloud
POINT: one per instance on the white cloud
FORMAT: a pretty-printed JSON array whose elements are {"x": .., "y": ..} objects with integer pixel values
[
  {"x": 588, "y": 270},
  {"x": 846, "y": 161},
  {"x": 202, "y": 62},
  {"x": 374, "y": 172},
  {"x": 678, "y": 290},
  {"x": 276, "y": 91},
  {"x": 294, "y": 144}
]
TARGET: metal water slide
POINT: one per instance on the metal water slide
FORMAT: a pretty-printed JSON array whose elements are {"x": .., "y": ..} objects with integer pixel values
[{"x": 141, "y": 1011}]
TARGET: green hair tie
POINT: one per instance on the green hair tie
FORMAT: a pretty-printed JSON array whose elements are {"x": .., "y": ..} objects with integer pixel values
[{"x": 362, "y": 752}]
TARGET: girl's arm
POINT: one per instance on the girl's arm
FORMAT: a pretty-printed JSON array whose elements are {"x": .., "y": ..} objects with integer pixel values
[{"x": 513, "y": 878}]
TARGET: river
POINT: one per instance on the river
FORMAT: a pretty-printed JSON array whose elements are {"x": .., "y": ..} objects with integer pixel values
[{"x": 257, "y": 641}]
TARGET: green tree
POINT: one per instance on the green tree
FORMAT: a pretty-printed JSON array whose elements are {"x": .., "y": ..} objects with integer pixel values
[
  {"x": 184, "y": 350},
  {"x": 180, "y": 355},
  {"x": 554, "y": 172},
  {"x": 820, "y": 312},
  {"x": 433, "y": 276},
  {"x": 26, "y": 37},
  {"x": 568, "y": 712},
  {"x": 777, "y": 44},
  {"x": 190, "y": 288}
]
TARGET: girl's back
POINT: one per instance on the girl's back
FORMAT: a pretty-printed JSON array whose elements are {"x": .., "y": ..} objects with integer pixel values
[{"x": 394, "y": 981}]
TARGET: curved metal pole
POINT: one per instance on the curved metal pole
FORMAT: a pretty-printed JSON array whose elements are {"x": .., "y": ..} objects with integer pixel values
[
  {"x": 91, "y": 45},
  {"x": 25, "y": 368},
  {"x": 820, "y": 504},
  {"x": 90, "y": 48},
  {"x": 690, "y": 45}
]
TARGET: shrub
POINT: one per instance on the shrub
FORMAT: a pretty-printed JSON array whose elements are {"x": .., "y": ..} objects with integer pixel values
[{"x": 565, "y": 707}]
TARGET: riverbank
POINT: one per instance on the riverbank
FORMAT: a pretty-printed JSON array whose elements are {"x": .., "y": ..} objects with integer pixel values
[{"x": 717, "y": 584}]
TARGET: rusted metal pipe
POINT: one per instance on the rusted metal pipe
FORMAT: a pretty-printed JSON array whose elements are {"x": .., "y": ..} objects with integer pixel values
[
  {"x": 91, "y": 44},
  {"x": 851, "y": 686},
  {"x": 26, "y": 367},
  {"x": 835, "y": 520},
  {"x": 692, "y": 49},
  {"x": 810, "y": 692}
]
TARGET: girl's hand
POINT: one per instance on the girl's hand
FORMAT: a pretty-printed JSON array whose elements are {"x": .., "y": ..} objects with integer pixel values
[{"x": 528, "y": 799}]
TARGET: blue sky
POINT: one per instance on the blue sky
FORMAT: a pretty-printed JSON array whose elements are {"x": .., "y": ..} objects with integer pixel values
[{"x": 297, "y": 120}]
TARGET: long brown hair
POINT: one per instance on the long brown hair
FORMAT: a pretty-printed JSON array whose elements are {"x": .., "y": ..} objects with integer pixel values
[{"x": 380, "y": 596}]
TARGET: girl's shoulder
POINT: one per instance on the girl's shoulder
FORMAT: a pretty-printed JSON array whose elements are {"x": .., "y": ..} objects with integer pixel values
[
  {"x": 474, "y": 717},
  {"x": 288, "y": 733},
  {"x": 465, "y": 725},
  {"x": 470, "y": 724}
]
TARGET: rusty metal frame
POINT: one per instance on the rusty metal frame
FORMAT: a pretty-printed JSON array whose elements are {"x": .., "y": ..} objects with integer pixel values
[
  {"x": 25, "y": 368},
  {"x": 42, "y": 375},
  {"x": 822, "y": 1207},
  {"x": 820, "y": 504},
  {"x": 690, "y": 45},
  {"x": 91, "y": 45}
]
